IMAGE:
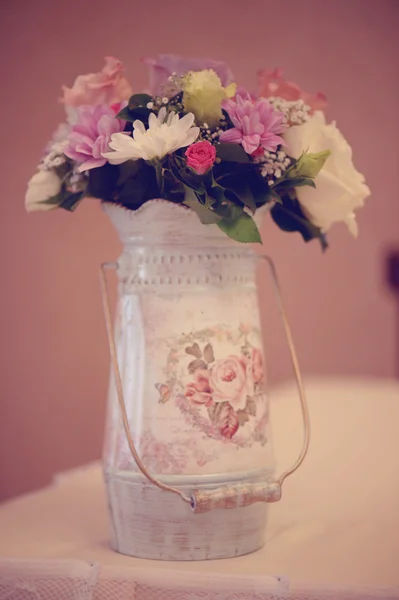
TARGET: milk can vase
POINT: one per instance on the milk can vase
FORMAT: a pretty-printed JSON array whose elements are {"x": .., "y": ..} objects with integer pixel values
[{"x": 188, "y": 456}]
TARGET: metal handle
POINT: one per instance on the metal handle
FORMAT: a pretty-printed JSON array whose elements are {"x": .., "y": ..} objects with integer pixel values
[
  {"x": 119, "y": 387},
  {"x": 232, "y": 496},
  {"x": 297, "y": 372}
]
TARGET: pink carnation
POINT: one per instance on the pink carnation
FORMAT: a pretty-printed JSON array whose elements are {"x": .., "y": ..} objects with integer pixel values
[
  {"x": 109, "y": 86},
  {"x": 162, "y": 66},
  {"x": 256, "y": 123},
  {"x": 90, "y": 136},
  {"x": 272, "y": 83}
]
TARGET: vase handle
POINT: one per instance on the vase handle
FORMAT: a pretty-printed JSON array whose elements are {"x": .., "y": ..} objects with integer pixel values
[
  {"x": 234, "y": 496},
  {"x": 297, "y": 372},
  {"x": 119, "y": 387},
  {"x": 230, "y": 496}
]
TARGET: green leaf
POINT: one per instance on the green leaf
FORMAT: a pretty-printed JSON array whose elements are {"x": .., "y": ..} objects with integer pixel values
[
  {"x": 260, "y": 189},
  {"x": 127, "y": 170},
  {"x": 244, "y": 180},
  {"x": 289, "y": 217},
  {"x": 244, "y": 196},
  {"x": 295, "y": 182},
  {"x": 275, "y": 196},
  {"x": 243, "y": 229},
  {"x": 201, "y": 197},
  {"x": 237, "y": 187},
  {"x": 139, "y": 100},
  {"x": 232, "y": 153},
  {"x": 204, "y": 213},
  {"x": 124, "y": 114},
  {"x": 67, "y": 200},
  {"x": 186, "y": 175},
  {"x": 139, "y": 188},
  {"x": 71, "y": 201},
  {"x": 172, "y": 188},
  {"x": 140, "y": 113},
  {"x": 55, "y": 200},
  {"x": 308, "y": 165},
  {"x": 102, "y": 181},
  {"x": 216, "y": 192}
]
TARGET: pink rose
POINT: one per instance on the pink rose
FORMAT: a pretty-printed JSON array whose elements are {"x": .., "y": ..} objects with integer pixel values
[
  {"x": 257, "y": 365},
  {"x": 229, "y": 382},
  {"x": 109, "y": 86},
  {"x": 273, "y": 84},
  {"x": 200, "y": 157},
  {"x": 199, "y": 391}
]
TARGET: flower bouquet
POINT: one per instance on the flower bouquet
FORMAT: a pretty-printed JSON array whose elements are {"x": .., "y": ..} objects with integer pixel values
[
  {"x": 197, "y": 140},
  {"x": 183, "y": 170}
]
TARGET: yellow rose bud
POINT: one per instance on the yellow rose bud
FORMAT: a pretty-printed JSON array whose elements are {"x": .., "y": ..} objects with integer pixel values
[{"x": 203, "y": 94}]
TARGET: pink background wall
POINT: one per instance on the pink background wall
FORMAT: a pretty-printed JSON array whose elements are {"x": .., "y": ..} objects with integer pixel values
[{"x": 54, "y": 358}]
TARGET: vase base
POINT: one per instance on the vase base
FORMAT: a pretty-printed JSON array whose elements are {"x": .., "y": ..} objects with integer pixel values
[{"x": 147, "y": 522}]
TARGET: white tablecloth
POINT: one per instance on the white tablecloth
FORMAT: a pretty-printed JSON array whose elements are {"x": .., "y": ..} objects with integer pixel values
[{"x": 335, "y": 533}]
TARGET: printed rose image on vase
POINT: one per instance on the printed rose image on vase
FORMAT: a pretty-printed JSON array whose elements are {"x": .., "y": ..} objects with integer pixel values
[
  {"x": 186, "y": 174},
  {"x": 230, "y": 390}
]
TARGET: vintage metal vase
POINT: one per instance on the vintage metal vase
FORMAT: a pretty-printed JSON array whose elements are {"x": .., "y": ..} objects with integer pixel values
[{"x": 189, "y": 349}]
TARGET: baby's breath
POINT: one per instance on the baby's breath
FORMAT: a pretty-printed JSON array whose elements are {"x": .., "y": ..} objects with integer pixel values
[
  {"x": 273, "y": 165},
  {"x": 295, "y": 112}
]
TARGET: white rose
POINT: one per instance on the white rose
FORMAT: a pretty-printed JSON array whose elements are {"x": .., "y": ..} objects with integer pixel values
[
  {"x": 340, "y": 188},
  {"x": 42, "y": 186}
]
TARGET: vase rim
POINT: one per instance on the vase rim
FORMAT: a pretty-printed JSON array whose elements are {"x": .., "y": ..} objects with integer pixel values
[{"x": 165, "y": 222}]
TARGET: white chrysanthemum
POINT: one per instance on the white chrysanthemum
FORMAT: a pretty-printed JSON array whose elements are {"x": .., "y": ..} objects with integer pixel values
[{"x": 161, "y": 138}]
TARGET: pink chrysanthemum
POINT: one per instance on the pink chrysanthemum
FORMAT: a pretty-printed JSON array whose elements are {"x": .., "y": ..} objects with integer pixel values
[
  {"x": 256, "y": 123},
  {"x": 90, "y": 136}
]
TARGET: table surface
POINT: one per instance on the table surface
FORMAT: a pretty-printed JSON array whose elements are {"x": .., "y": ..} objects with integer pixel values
[{"x": 337, "y": 523}]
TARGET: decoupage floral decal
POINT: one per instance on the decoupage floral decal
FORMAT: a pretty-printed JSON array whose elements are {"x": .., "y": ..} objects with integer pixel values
[
  {"x": 160, "y": 456},
  {"x": 217, "y": 394}
]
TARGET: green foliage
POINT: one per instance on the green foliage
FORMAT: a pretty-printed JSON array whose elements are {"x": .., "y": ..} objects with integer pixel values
[
  {"x": 139, "y": 187},
  {"x": 289, "y": 216},
  {"x": 293, "y": 183},
  {"x": 177, "y": 165},
  {"x": 220, "y": 195},
  {"x": 65, "y": 199},
  {"x": 136, "y": 109},
  {"x": 243, "y": 229},
  {"x": 308, "y": 165},
  {"x": 287, "y": 212},
  {"x": 140, "y": 113},
  {"x": 139, "y": 100},
  {"x": 227, "y": 195},
  {"x": 243, "y": 180},
  {"x": 232, "y": 153},
  {"x": 102, "y": 181},
  {"x": 206, "y": 215}
]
